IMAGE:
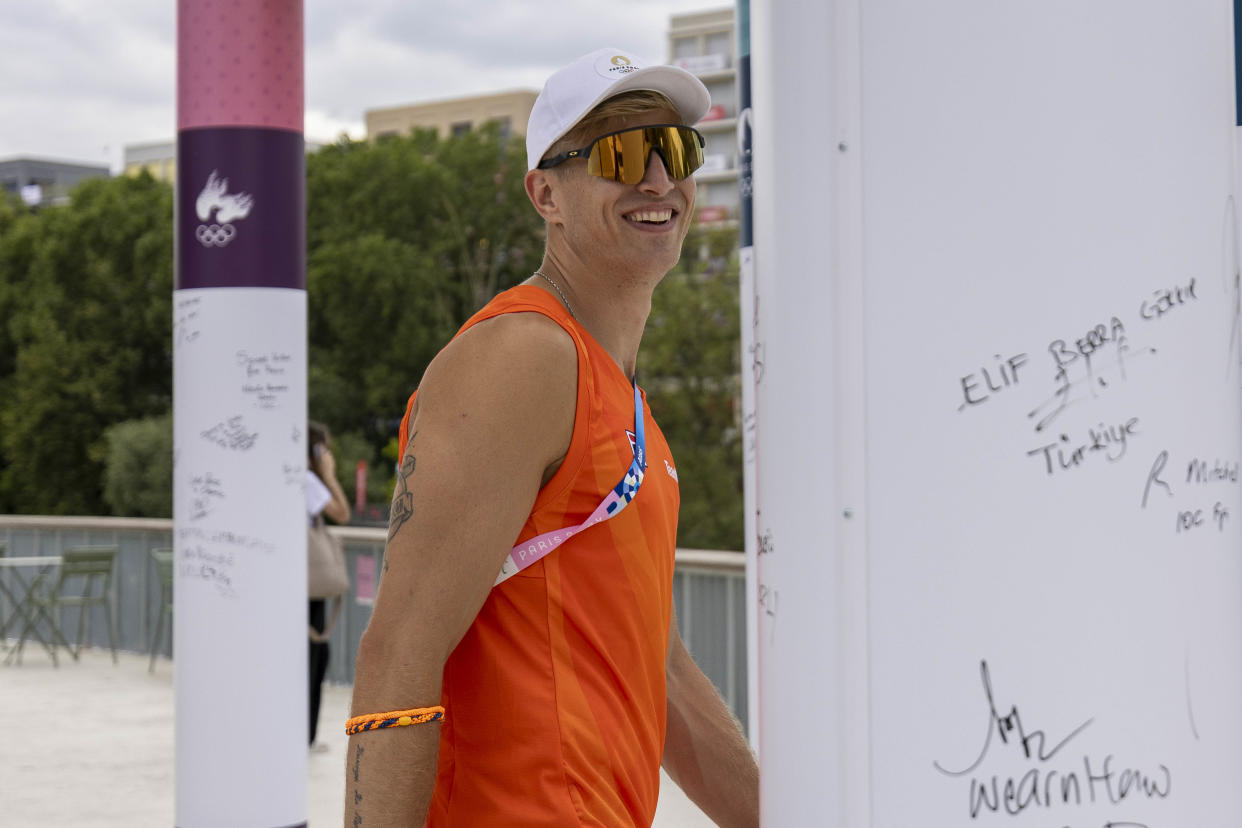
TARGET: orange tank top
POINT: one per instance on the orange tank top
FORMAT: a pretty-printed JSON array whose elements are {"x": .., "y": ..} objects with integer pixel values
[{"x": 555, "y": 698}]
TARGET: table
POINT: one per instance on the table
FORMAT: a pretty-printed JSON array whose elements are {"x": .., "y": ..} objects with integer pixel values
[{"x": 25, "y": 609}]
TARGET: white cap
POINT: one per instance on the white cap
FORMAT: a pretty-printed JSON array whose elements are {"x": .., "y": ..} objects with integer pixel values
[{"x": 572, "y": 92}]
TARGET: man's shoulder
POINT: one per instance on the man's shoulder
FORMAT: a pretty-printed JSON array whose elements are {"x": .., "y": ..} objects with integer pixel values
[
  {"x": 512, "y": 337},
  {"x": 514, "y": 355},
  {"x": 504, "y": 389}
]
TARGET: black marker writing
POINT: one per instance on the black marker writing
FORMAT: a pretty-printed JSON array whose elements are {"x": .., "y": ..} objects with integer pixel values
[
  {"x": 231, "y": 434},
  {"x": 1076, "y": 367},
  {"x": 1111, "y": 440},
  {"x": 1154, "y": 476},
  {"x": 979, "y": 388},
  {"x": 769, "y": 604},
  {"x": 1165, "y": 300},
  {"x": 1194, "y": 518},
  {"x": 1034, "y": 744},
  {"x": 1198, "y": 471}
]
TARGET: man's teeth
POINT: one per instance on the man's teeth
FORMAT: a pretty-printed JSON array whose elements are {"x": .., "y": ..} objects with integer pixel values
[{"x": 653, "y": 216}]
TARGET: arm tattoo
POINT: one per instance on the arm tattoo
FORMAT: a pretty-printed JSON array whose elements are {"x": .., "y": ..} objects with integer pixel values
[
  {"x": 357, "y": 796},
  {"x": 403, "y": 499}
]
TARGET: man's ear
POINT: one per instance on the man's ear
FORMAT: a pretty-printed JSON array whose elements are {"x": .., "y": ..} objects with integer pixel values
[{"x": 543, "y": 190}]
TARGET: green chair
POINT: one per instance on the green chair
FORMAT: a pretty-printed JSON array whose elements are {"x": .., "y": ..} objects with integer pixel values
[
  {"x": 164, "y": 569},
  {"x": 25, "y": 614},
  {"x": 93, "y": 565}
]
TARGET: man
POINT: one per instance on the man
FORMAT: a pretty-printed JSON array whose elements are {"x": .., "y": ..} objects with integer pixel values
[{"x": 529, "y": 452}]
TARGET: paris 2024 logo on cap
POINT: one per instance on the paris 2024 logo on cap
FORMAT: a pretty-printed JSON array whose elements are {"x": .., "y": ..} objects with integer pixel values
[
  {"x": 614, "y": 66},
  {"x": 227, "y": 207}
]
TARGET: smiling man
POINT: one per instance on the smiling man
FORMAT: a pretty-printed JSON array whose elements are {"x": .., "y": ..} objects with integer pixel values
[{"x": 523, "y": 666}]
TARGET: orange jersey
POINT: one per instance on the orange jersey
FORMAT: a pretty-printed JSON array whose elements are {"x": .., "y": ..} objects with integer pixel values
[{"x": 555, "y": 698}]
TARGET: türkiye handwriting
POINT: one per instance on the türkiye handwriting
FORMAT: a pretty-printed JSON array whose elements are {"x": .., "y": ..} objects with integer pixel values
[
  {"x": 1110, "y": 440},
  {"x": 1067, "y": 785}
]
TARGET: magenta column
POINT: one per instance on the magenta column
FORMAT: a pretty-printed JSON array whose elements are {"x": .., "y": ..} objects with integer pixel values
[{"x": 239, "y": 333}]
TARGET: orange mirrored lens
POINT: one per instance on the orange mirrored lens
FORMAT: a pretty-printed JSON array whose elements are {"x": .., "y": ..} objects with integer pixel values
[{"x": 624, "y": 156}]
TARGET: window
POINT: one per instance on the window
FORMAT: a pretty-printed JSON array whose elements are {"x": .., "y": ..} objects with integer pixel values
[
  {"x": 725, "y": 95},
  {"x": 459, "y": 128},
  {"x": 720, "y": 43},
  {"x": 684, "y": 47},
  {"x": 718, "y": 194},
  {"x": 722, "y": 144}
]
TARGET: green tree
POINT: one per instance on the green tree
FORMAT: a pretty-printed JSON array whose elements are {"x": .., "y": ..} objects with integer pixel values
[
  {"x": 689, "y": 365},
  {"x": 18, "y": 238},
  {"x": 86, "y": 299},
  {"x": 408, "y": 236},
  {"x": 138, "y": 467}
]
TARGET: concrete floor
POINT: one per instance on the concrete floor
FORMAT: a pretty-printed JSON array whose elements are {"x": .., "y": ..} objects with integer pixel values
[{"x": 90, "y": 745}]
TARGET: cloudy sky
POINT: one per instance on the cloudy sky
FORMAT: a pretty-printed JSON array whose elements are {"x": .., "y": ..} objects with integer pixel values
[{"x": 80, "y": 79}]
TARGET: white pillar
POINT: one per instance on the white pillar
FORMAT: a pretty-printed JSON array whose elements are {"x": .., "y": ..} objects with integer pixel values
[
  {"x": 811, "y": 591},
  {"x": 239, "y": 331}
]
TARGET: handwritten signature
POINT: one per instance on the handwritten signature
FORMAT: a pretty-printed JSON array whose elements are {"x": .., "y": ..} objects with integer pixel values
[
  {"x": 1010, "y": 727},
  {"x": 231, "y": 434}
]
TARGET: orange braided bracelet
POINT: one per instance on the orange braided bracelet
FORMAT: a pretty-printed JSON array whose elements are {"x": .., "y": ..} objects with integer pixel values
[{"x": 397, "y": 718}]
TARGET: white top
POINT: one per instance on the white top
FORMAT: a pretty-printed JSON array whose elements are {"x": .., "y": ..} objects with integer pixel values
[{"x": 317, "y": 495}]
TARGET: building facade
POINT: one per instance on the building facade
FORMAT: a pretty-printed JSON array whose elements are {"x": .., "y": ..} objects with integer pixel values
[
  {"x": 700, "y": 42},
  {"x": 455, "y": 116},
  {"x": 704, "y": 43},
  {"x": 159, "y": 159},
  {"x": 40, "y": 182}
]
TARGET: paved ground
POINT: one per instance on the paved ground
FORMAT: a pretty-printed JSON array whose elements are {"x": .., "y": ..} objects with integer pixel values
[{"x": 90, "y": 745}]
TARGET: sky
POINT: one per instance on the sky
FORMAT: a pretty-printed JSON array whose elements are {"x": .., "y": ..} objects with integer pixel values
[{"x": 81, "y": 79}]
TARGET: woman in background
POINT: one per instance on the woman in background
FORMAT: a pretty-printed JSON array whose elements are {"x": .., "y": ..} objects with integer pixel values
[{"x": 324, "y": 498}]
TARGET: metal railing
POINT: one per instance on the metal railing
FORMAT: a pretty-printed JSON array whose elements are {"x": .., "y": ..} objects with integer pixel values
[{"x": 708, "y": 591}]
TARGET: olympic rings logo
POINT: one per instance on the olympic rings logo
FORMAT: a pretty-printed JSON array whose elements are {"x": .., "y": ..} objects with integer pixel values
[{"x": 215, "y": 235}]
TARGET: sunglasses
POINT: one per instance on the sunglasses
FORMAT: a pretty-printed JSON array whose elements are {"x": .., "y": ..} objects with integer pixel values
[{"x": 623, "y": 155}]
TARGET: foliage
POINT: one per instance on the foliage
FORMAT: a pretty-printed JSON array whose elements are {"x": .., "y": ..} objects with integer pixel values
[
  {"x": 138, "y": 467},
  {"x": 408, "y": 237},
  {"x": 689, "y": 366},
  {"x": 85, "y": 301}
]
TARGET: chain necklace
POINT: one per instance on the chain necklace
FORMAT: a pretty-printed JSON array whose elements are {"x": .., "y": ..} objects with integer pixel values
[{"x": 558, "y": 290}]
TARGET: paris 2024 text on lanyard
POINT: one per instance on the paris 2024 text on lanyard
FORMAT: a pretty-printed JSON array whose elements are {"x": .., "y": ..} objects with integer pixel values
[{"x": 526, "y": 553}]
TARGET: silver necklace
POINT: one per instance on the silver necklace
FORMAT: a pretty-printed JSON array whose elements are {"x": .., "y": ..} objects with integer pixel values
[{"x": 558, "y": 290}]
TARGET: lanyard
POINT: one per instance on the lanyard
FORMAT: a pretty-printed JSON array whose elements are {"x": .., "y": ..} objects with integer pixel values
[{"x": 525, "y": 554}]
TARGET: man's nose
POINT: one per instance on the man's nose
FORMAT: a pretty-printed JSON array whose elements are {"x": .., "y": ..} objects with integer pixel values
[{"x": 656, "y": 179}]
